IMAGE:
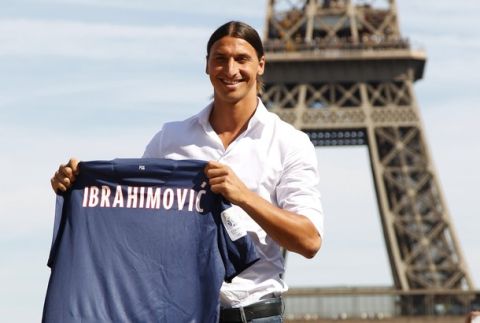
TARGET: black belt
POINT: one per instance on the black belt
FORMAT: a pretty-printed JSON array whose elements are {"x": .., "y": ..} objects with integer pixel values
[{"x": 263, "y": 308}]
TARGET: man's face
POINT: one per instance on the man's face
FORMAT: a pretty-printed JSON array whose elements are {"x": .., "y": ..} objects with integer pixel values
[{"x": 233, "y": 67}]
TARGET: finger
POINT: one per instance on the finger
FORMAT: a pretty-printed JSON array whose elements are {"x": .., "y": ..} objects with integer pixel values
[
  {"x": 212, "y": 173},
  {"x": 218, "y": 188},
  {"x": 66, "y": 170},
  {"x": 65, "y": 173},
  {"x": 217, "y": 180},
  {"x": 61, "y": 187},
  {"x": 62, "y": 179},
  {"x": 57, "y": 186},
  {"x": 54, "y": 184},
  {"x": 73, "y": 164},
  {"x": 214, "y": 165}
]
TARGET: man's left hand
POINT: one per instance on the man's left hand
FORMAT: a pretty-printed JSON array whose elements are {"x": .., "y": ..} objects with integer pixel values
[{"x": 223, "y": 180}]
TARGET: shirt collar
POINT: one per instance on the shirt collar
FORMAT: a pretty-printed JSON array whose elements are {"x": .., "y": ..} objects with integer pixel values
[{"x": 260, "y": 115}]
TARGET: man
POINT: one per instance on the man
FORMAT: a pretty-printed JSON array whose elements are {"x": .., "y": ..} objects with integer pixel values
[
  {"x": 473, "y": 317},
  {"x": 262, "y": 165}
]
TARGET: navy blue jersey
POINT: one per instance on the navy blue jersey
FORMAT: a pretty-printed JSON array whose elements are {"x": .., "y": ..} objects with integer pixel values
[{"x": 141, "y": 240}]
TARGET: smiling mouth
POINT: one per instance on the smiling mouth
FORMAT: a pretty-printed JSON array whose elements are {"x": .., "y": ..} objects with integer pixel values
[{"x": 230, "y": 82}]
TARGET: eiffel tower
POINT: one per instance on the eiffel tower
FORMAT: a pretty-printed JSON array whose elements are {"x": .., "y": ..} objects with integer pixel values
[{"x": 341, "y": 71}]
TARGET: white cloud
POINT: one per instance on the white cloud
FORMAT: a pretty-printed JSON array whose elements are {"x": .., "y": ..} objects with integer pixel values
[
  {"x": 119, "y": 94},
  {"x": 26, "y": 37},
  {"x": 250, "y": 8},
  {"x": 193, "y": 12}
]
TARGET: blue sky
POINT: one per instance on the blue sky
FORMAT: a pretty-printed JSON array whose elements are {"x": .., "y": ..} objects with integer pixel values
[{"x": 96, "y": 79}]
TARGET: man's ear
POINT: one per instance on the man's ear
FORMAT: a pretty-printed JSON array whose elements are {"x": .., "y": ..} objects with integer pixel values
[
  {"x": 206, "y": 64},
  {"x": 261, "y": 66}
]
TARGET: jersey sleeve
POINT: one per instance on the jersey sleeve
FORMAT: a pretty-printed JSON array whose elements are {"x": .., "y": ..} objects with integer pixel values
[
  {"x": 236, "y": 248},
  {"x": 57, "y": 228}
]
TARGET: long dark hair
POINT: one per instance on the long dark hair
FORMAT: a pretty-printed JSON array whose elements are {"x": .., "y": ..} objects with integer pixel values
[{"x": 243, "y": 31}]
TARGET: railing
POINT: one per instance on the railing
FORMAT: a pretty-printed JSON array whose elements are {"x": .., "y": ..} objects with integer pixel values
[
  {"x": 277, "y": 45},
  {"x": 376, "y": 303}
]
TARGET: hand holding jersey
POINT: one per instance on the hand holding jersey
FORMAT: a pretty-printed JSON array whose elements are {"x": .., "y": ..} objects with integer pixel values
[
  {"x": 65, "y": 176},
  {"x": 292, "y": 231},
  {"x": 224, "y": 181}
]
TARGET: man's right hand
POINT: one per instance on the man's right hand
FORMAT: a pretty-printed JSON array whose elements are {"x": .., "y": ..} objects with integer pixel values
[{"x": 64, "y": 177}]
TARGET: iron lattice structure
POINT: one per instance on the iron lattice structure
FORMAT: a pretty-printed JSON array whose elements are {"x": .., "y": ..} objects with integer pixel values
[{"x": 341, "y": 72}]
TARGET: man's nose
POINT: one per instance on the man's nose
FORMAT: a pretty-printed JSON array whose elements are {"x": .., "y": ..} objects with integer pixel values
[{"x": 231, "y": 67}]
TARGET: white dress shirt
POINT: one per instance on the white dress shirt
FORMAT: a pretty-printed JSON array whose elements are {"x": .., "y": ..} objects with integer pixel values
[{"x": 274, "y": 160}]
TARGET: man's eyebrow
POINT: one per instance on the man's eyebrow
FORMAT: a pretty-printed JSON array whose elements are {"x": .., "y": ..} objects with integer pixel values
[{"x": 243, "y": 55}]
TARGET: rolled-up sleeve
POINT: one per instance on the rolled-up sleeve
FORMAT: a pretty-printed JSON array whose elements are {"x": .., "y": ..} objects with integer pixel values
[{"x": 298, "y": 188}]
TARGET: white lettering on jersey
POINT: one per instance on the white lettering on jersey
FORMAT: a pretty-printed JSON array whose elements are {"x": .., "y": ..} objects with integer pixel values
[
  {"x": 168, "y": 199},
  {"x": 181, "y": 197},
  {"x": 118, "y": 201},
  {"x": 105, "y": 196},
  {"x": 197, "y": 204},
  {"x": 153, "y": 198},
  {"x": 93, "y": 197},
  {"x": 190, "y": 200},
  {"x": 142, "y": 197},
  {"x": 145, "y": 198},
  {"x": 132, "y": 197},
  {"x": 85, "y": 197}
]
